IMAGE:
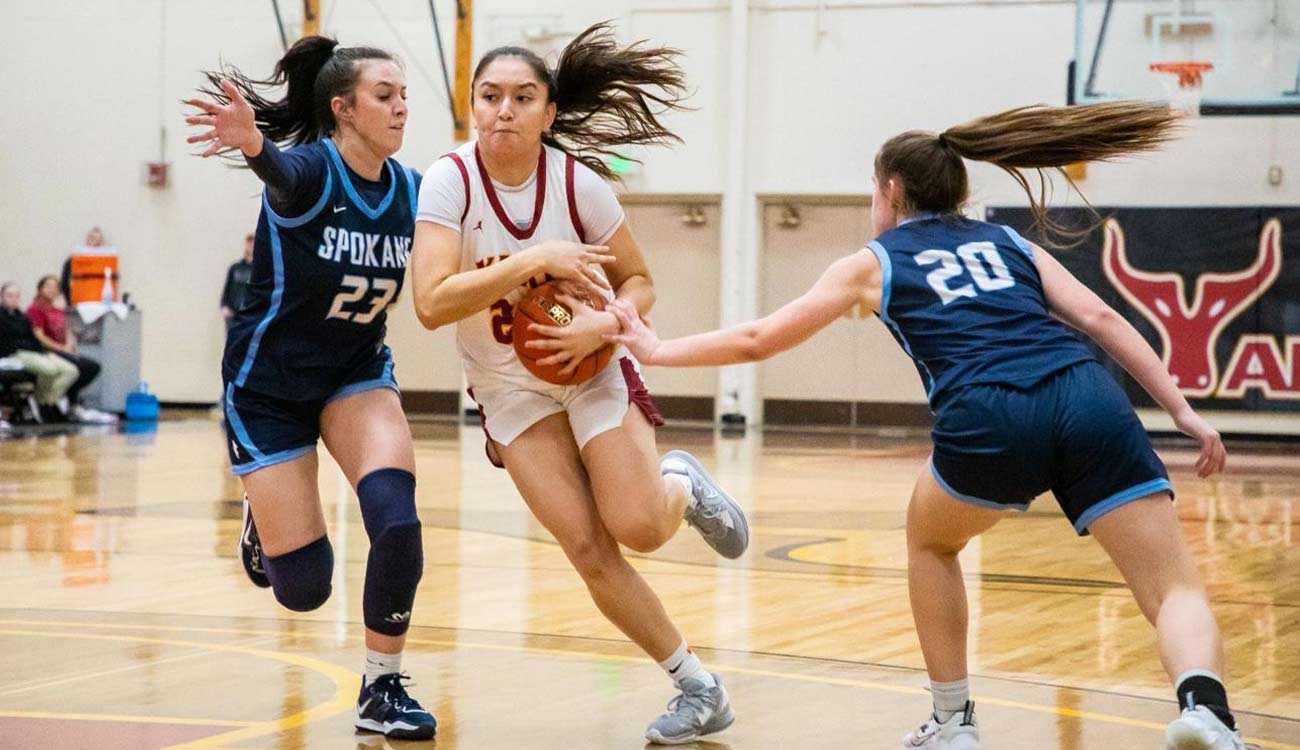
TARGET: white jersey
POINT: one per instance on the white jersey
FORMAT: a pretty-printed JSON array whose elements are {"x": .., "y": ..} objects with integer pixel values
[{"x": 563, "y": 200}]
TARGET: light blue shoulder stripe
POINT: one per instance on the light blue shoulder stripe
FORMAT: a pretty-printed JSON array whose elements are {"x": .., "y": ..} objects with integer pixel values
[
  {"x": 373, "y": 213},
  {"x": 1019, "y": 241}
]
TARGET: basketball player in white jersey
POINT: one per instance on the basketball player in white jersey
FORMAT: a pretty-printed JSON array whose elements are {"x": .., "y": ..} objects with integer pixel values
[{"x": 513, "y": 208}]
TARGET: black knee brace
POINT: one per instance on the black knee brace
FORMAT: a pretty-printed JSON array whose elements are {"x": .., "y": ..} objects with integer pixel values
[
  {"x": 396, "y": 560},
  {"x": 301, "y": 578}
]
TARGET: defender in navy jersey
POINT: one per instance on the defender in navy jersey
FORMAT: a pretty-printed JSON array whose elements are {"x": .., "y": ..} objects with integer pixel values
[
  {"x": 1021, "y": 406},
  {"x": 305, "y": 357},
  {"x": 323, "y": 278}
]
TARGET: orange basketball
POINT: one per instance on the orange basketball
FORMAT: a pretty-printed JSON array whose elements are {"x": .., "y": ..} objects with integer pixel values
[{"x": 540, "y": 306}]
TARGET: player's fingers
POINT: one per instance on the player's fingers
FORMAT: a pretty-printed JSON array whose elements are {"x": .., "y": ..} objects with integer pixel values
[
  {"x": 203, "y": 137},
  {"x": 201, "y": 120},
  {"x": 617, "y": 338},
  {"x": 571, "y": 301},
  {"x": 208, "y": 107},
  {"x": 214, "y": 148},
  {"x": 602, "y": 249},
  {"x": 626, "y": 320},
  {"x": 593, "y": 258},
  {"x": 232, "y": 91},
  {"x": 595, "y": 278},
  {"x": 568, "y": 287},
  {"x": 555, "y": 359},
  {"x": 544, "y": 344},
  {"x": 552, "y": 331}
]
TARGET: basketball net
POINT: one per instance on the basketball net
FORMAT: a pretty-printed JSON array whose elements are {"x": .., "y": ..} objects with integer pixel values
[{"x": 1184, "y": 83}]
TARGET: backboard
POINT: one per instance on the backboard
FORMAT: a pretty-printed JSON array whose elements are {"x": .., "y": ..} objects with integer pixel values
[{"x": 1254, "y": 46}]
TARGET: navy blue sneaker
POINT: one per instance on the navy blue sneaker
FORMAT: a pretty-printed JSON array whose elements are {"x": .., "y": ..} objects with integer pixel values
[
  {"x": 250, "y": 550},
  {"x": 385, "y": 707}
]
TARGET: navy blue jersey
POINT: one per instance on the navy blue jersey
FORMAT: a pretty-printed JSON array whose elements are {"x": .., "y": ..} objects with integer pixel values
[
  {"x": 322, "y": 280},
  {"x": 965, "y": 301}
]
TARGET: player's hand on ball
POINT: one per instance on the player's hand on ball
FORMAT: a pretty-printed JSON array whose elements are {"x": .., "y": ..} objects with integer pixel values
[
  {"x": 572, "y": 261},
  {"x": 571, "y": 343},
  {"x": 636, "y": 333},
  {"x": 233, "y": 124}
]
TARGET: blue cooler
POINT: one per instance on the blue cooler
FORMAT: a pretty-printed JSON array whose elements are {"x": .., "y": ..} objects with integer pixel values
[{"x": 141, "y": 405}]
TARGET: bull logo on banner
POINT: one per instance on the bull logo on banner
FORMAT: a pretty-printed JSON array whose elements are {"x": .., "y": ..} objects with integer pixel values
[{"x": 1189, "y": 333}]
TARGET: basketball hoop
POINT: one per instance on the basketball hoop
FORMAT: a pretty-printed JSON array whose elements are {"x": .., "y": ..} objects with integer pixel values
[{"x": 1186, "y": 95}]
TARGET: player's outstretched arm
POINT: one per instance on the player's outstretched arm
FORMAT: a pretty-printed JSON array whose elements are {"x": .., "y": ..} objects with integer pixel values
[
  {"x": 1079, "y": 307},
  {"x": 291, "y": 179},
  {"x": 847, "y": 282}
]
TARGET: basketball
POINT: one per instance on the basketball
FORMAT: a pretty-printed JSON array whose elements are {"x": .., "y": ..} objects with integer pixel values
[{"x": 540, "y": 306}]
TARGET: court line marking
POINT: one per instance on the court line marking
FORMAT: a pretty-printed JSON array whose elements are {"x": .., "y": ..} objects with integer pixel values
[
  {"x": 78, "y": 676},
  {"x": 330, "y": 708},
  {"x": 182, "y": 721},
  {"x": 345, "y": 682}
]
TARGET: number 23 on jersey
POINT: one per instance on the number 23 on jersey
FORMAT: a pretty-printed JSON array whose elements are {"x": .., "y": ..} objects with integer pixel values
[{"x": 355, "y": 288}]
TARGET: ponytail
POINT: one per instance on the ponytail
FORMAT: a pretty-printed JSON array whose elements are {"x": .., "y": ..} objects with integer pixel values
[
  {"x": 1037, "y": 137},
  {"x": 314, "y": 70}
]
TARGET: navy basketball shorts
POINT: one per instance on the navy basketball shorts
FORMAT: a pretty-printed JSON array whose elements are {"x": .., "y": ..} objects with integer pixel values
[
  {"x": 1074, "y": 433},
  {"x": 264, "y": 430}
]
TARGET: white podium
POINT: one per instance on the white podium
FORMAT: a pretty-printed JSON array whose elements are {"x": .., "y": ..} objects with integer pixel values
[{"x": 115, "y": 343}]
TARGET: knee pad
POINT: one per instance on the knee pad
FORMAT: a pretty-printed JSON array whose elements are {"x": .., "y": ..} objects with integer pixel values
[
  {"x": 301, "y": 578},
  {"x": 396, "y": 561}
]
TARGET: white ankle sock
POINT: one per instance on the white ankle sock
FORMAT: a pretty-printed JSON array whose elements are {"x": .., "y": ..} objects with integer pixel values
[
  {"x": 684, "y": 663},
  {"x": 685, "y": 482},
  {"x": 949, "y": 698},
  {"x": 379, "y": 664}
]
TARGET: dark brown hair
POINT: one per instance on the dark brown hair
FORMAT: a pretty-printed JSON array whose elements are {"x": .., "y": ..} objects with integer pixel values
[
  {"x": 605, "y": 95},
  {"x": 314, "y": 70},
  {"x": 44, "y": 279},
  {"x": 1037, "y": 137}
]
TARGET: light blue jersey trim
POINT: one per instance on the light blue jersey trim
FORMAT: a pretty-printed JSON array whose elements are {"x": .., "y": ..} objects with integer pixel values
[
  {"x": 274, "y": 222},
  {"x": 1124, "y": 497},
  {"x": 373, "y": 213},
  {"x": 971, "y": 499},
  {"x": 277, "y": 296},
  {"x": 260, "y": 459},
  {"x": 237, "y": 425},
  {"x": 298, "y": 221},
  {"x": 1019, "y": 241},
  {"x": 886, "y": 286},
  {"x": 311, "y": 213},
  {"x": 281, "y": 457},
  {"x": 410, "y": 191},
  {"x": 886, "y": 276},
  {"x": 917, "y": 217},
  {"x": 386, "y": 380}
]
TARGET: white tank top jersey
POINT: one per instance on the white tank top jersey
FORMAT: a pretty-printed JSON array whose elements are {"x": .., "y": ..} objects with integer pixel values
[{"x": 562, "y": 200}]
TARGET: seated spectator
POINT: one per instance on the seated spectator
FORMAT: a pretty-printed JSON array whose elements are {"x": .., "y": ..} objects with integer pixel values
[
  {"x": 54, "y": 376},
  {"x": 50, "y": 326}
]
